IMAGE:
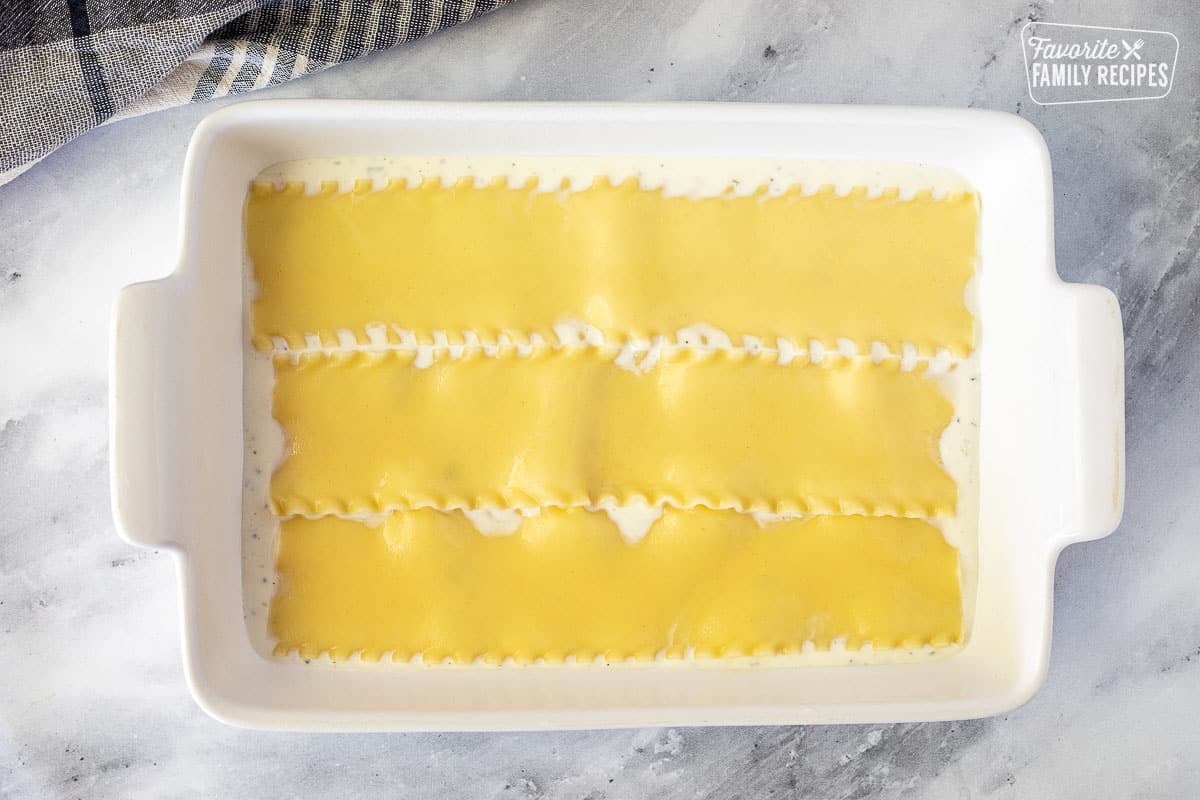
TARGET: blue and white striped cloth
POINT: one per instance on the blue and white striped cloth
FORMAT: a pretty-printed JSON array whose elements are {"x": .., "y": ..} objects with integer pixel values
[{"x": 69, "y": 65}]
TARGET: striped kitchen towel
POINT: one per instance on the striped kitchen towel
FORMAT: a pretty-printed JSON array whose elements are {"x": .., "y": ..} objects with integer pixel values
[{"x": 69, "y": 65}]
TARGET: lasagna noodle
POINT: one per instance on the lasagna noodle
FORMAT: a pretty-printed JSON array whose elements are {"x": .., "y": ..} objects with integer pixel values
[
  {"x": 562, "y": 427},
  {"x": 629, "y": 261},
  {"x": 566, "y": 584}
]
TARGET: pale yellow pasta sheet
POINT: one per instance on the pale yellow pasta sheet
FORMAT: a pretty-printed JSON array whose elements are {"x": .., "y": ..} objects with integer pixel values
[
  {"x": 564, "y": 427},
  {"x": 566, "y": 584},
  {"x": 435, "y": 257}
]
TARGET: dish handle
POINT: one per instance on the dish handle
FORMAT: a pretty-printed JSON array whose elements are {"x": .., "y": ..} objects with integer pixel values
[
  {"x": 140, "y": 405},
  {"x": 1095, "y": 505}
]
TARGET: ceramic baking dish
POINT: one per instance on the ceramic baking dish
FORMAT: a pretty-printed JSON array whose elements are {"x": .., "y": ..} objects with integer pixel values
[{"x": 1051, "y": 445}]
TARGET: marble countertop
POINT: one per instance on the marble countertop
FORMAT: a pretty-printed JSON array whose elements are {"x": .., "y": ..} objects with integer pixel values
[{"x": 92, "y": 695}]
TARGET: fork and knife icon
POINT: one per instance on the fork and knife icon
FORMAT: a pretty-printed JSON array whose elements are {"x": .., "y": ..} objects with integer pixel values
[{"x": 1132, "y": 49}]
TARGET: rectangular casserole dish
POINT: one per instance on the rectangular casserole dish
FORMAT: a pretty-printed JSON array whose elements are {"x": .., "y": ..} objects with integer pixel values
[{"x": 1051, "y": 439}]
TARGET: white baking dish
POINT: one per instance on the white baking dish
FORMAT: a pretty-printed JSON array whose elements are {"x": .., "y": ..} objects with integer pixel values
[{"x": 1051, "y": 447}]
